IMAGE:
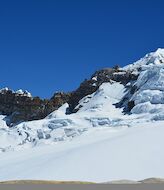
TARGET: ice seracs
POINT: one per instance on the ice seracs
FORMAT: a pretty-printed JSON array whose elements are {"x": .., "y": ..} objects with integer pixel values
[
  {"x": 149, "y": 94},
  {"x": 144, "y": 93},
  {"x": 102, "y": 141}
]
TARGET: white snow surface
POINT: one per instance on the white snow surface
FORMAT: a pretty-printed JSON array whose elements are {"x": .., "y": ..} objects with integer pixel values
[
  {"x": 97, "y": 110},
  {"x": 152, "y": 59},
  {"x": 100, "y": 155},
  {"x": 100, "y": 142}
]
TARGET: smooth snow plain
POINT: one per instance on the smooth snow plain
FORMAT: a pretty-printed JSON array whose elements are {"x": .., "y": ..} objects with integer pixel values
[
  {"x": 100, "y": 142},
  {"x": 99, "y": 155}
]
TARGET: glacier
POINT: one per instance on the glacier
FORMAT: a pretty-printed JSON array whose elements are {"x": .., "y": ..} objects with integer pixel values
[{"x": 98, "y": 143}]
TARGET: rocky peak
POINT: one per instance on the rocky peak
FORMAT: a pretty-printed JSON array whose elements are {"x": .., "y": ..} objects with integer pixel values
[
  {"x": 90, "y": 86},
  {"x": 20, "y": 106},
  {"x": 19, "y": 92}
]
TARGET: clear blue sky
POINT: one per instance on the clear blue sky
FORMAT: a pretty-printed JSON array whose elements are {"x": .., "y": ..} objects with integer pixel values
[{"x": 50, "y": 45}]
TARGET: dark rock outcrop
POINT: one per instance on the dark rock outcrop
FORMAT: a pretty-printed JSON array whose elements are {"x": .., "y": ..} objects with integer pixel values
[
  {"x": 90, "y": 86},
  {"x": 20, "y": 107}
]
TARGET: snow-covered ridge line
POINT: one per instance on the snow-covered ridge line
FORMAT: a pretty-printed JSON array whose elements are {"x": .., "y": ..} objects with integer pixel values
[
  {"x": 100, "y": 141},
  {"x": 19, "y": 92},
  {"x": 97, "y": 109},
  {"x": 151, "y": 59}
]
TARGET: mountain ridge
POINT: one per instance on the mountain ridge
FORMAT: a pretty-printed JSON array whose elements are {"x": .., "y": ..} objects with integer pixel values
[
  {"x": 11, "y": 102},
  {"x": 20, "y": 106},
  {"x": 109, "y": 129}
]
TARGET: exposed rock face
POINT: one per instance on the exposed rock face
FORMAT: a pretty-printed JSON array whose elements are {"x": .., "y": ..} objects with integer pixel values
[
  {"x": 21, "y": 106},
  {"x": 90, "y": 86}
]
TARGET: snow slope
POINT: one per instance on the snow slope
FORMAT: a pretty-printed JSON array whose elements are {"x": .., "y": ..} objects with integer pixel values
[
  {"x": 97, "y": 110},
  {"x": 98, "y": 143},
  {"x": 151, "y": 59},
  {"x": 99, "y": 155}
]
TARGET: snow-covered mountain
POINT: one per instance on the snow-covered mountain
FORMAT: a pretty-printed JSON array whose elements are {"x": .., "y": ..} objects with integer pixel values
[{"x": 110, "y": 128}]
